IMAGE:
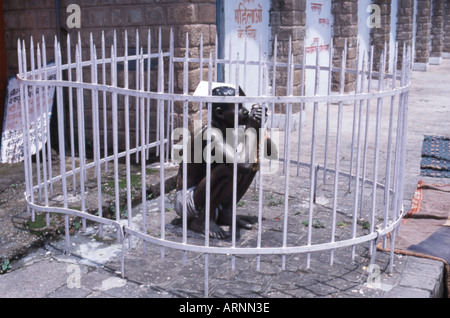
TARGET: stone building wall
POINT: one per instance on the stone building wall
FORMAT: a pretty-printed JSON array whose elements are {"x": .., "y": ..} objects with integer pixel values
[
  {"x": 345, "y": 30},
  {"x": 381, "y": 35},
  {"x": 446, "y": 44},
  {"x": 198, "y": 17},
  {"x": 437, "y": 32},
  {"x": 288, "y": 20},
  {"x": 423, "y": 35},
  {"x": 405, "y": 26},
  {"x": 38, "y": 19}
]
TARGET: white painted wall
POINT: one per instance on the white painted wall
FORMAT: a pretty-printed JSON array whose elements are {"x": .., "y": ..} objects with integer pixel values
[
  {"x": 364, "y": 29},
  {"x": 246, "y": 22},
  {"x": 393, "y": 35},
  {"x": 414, "y": 31},
  {"x": 319, "y": 23}
]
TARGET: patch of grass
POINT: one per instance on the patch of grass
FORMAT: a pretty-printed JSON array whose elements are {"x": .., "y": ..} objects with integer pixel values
[
  {"x": 151, "y": 170},
  {"x": 241, "y": 203},
  {"x": 39, "y": 222},
  {"x": 135, "y": 182},
  {"x": 317, "y": 224},
  {"x": 5, "y": 266},
  {"x": 275, "y": 201},
  {"x": 366, "y": 225}
]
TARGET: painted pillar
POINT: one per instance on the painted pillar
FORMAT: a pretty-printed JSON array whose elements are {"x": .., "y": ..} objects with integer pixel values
[
  {"x": 423, "y": 33},
  {"x": 365, "y": 28},
  {"x": 247, "y": 35},
  {"x": 437, "y": 32},
  {"x": 405, "y": 26},
  {"x": 319, "y": 22},
  {"x": 446, "y": 49},
  {"x": 288, "y": 22},
  {"x": 345, "y": 14},
  {"x": 392, "y": 33}
]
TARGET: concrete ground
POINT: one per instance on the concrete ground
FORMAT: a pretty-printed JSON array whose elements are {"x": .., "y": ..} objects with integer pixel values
[{"x": 92, "y": 268}]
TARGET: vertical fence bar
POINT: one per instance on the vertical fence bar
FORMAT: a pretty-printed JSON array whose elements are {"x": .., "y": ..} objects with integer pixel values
[
  {"x": 127, "y": 134},
  {"x": 216, "y": 59},
  {"x": 170, "y": 89},
  {"x": 302, "y": 105},
  {"x": 208, "y": 177},
  {"x": 285, "y": 163},
  {"x": 338, "y": 146},
  {"x": 136, "y": 100},
  {"x": 23, "y": 96},
  {"x": 200, "y": 104},
  {"x": 185, "y": 142},
  {"x": 27, "y": 132},
  {"x": 47, "y": 118},
  {"x": 313, "y": 158},
  {"x": 62, "y": 150},
  {"x": 43, "y": 105},
  {"x": 236, "y": 127},
  {"x": 389, "y": 146},
  {"x": 274, "y": 76},
  {"x": 366, "y": 136},
  {"x": 261, "y": 174},
  {"x": 350, "y": 175},
  {"x": 289, "y": 92},
  {"x": 327, "y": 124},
  {"x": 115, "y": 135},
  {"x": 404, "y": 122},
  {"x": 71, "y": 118},
  {"x": 158, "y": 115},
  {"x": 96, "y": 129},
  {"x": 105, "y": 115},
  {"x": 149, "y": 69},
  {"x": 161, "y": 105},
  {"x": 396, "y": 203},
  {"x": 382, "y": 66},
  {"x": 80, "y": 128},
  {"x": 358, "y": 150},
  {"x": 143, "y": 153},
  {"x": 93, "y": 101},
  {"x": 35, "y": 118}
]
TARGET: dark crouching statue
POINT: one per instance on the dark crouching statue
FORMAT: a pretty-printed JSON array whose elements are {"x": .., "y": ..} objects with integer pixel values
[{"x": 222, "y": 157}]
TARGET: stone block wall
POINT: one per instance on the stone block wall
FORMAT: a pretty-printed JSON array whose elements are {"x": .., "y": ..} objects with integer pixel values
[
  {"x": 405, "y": 26},
  {"x": 381, "y": 36},
  {"x": 198, "y": 18},
  {"x": 39, "y": 18},
  {"x": 423, "y": 34},
  {"x": 345, "y": 30},
  {"x": 288, "y": 20},
  {"x": 446, "y": 44},
  {"x": 437, "y": 32}
]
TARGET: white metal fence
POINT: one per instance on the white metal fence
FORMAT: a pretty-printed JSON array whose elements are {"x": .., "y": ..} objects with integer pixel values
[{"x": 343, "y": 162}]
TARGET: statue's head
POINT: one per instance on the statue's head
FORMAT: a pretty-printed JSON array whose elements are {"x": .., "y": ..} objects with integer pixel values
[{"x": 223, "y": 113}]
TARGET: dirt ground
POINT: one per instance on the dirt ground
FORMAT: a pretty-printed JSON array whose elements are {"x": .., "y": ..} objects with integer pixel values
[{"x": 19, "y": 234}]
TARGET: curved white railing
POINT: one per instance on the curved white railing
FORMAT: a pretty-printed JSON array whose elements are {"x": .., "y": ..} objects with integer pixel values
[{"x": 368, "y": 156}]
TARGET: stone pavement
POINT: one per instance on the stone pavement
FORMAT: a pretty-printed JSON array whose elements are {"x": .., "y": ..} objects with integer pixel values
[{"x": 92, "y": 269}]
